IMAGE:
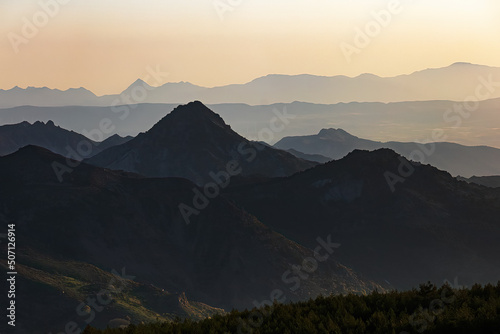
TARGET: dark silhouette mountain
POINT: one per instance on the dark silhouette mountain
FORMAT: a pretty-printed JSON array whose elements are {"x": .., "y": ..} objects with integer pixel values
[
  {"x": 454, "y": 82},
  {"x": 110, "y": 220},
  {"x": 193, "y": 142},
  {"x": 487, "y": 181},
  {"x": 454, "y": 158},
  {"x": 432, "y": 227},
  {"x": 113, "y": 140},
  {"x": 53, "y": 138}
]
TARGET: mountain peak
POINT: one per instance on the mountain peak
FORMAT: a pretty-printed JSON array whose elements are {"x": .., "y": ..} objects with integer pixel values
[
  {"x": 34, "y": 151},
  {"x": 462, "y": 64},
  {"x": 139, "y": 83},
  {"x": 332, "y": 133},
  {"x": 190, "y": 142},
  {"x": 195, "y": 112}
]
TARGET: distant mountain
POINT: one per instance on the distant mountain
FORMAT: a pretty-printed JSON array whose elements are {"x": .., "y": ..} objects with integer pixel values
[
  {"x": 455, "y": 82},
  {"x": 125, "y": 120},
  {"x": 332, "y": 143},
  {"x": 487, "y": 181},
  {"x": 402, "y": 121},
  {"x": 432, "y": 227},
  {"x": 54, "y": 138},
  {"x": 454, "y": 158},
  {"x": 114, "y": 140},
  {"x": 75, "y": 232},
  {"x": 43, "y": 96},
  {"x": 311, "y": 157},
  {"x": 194, "y": 142}
]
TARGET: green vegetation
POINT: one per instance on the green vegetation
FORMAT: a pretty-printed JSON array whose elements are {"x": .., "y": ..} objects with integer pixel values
[
  {"x": 428, "y": 309},
  {"x": 70, "y": 283}
]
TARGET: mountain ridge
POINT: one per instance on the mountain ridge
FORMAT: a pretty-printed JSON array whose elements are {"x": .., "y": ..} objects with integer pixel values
[
  {"x": 52, "y": 137},
  {"x": 455, "y": 158},
  {"x": 304, "y": 87},
  {"x": 428, "y": 226}
]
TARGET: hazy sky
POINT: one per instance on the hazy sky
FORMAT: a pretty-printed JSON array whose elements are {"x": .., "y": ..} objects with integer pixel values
[{"x": 104, "y": 45}]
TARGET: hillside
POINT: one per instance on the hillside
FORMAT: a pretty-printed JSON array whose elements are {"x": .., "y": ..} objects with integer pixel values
[{"x": 445, "y": 310}]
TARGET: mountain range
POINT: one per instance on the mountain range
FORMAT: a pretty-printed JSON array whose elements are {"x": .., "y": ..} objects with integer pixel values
[
  {"x": 487, "y": 181},
  {"x": 457, "y": 159},
  {"x": 58, "y": 140},
  {"x": 431, "y": 227},
  {"x": 76, "y": 232},
  {"x": 328, "y": 144},
  {"x": 402, "y": 121},
  {"x": 455, "y": 82},
  {"x": 286, "y": 228}
]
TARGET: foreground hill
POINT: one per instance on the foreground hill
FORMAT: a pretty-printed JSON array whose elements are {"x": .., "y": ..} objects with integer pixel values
[
  {"x": 73, "y": 233},
  {"x": 192, "y": 142},
  {"x": 429, "y": 309},
  {"x": 453, "y": 158},
  {"x": 401, "y": 229},
  {"x": 54, "y": 291}
]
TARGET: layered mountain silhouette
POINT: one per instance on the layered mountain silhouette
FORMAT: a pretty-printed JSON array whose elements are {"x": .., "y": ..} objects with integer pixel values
[
  {"x": 195, "y": 143},
  {"x": 455, "y": 82},
  {"x": 53, "y": 138},
  {"x": 75, "y": 232},
  {"x": 431, "y": 227},
  {"x": 398, "y": 223},
  {"x": 311, "y": 157},
  {"x": 43, "y": 96},
  {"x": 454, "y": 158},
  {"x": 402, "y": 121},
  {"x": 487, "y": 181}
]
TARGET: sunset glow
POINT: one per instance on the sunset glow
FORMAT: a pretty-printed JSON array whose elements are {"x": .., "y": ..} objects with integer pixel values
[{"x": 106, "y": 45}]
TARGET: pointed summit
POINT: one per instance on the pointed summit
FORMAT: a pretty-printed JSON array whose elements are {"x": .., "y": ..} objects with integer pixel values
[
  {"x": 190, "y": 117},
  {"x": 138, "y": 83},
  {"x": 194, "y": 142}
]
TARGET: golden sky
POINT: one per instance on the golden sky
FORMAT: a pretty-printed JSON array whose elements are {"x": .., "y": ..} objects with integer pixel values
[{"x": 105, "y": 45}]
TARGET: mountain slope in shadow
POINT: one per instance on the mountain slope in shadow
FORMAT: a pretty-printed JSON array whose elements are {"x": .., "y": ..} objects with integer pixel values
[
  {"x": 195, "y": 143},
  {"x": 431, "y": 227}
]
